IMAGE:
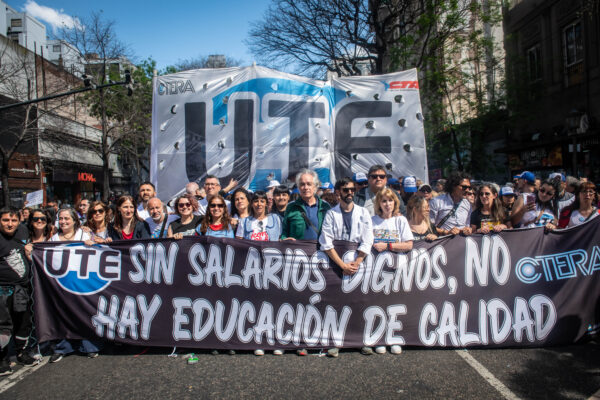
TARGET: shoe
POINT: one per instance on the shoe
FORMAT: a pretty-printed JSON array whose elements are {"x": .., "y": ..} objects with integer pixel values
[
  {"x": 380, "y": 350},
  {"x": 215, "y": 352},
  {"x": 56, "y": 357},
  {"x": 192, "y": 359},
  {"x": 5, "y": 368},
  {"x": 334, "y": 352},
  {"x": 259, "y": 352},
  {"x": 302, "y": 352},
  {"x": 366, "y": 351},
  {"x": 278, "y": 352},
  {"x": 231, "y": 352},
  {"x": 396, "y": 349},
  {"x": 26, "y": 359},
  {"x": 92, "y": 355}
]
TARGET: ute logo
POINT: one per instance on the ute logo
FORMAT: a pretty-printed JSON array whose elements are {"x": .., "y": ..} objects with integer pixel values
[
  {"x": 175, "y": 87},
  {"x": 80, "y": 270}
]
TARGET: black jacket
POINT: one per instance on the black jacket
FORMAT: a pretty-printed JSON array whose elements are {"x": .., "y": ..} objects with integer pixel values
[{"x": 141, "y": 231}]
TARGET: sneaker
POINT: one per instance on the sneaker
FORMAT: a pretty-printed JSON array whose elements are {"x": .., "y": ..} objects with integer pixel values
[
  {"x": 366, "y": 351},
  {"x": 92, "y": 355},
  {"x": 192, "y": 359},
  {"x": 26, "y": 359},
  {"x": 259, "y": 352},
  {"x": 380, "y": 350},
  {"x": 302, "y": 352},
  {"x": 278, "y": 352},
  {"x": 334, "y": 352},
  {"x": 231, "y": 352},
  {"x": 396, "y": 349},
  {"x": 215, "y": 352},
  {"x": 5, "y": 368},
  {"x": 56, "y": 357}
]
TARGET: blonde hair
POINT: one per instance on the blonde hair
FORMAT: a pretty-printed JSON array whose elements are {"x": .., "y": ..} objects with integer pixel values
[{"x": 386, "y": 192}]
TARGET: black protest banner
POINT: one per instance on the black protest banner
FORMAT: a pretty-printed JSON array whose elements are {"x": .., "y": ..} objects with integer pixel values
[{"x": 517, "y": 288}]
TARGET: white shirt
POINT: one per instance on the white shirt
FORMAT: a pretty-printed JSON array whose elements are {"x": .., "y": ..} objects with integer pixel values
[
  {"x": 80, "y": 235},
  {"x": 203, "y": 204},
  {"x": 360, "y": 232},
  {"x": 155, "y": 228},
  {"x": 578, "y": 219},
  {"x": 143, "y": 214},
  {"x": 440, "y": 206},
  {"x": 391, "y": 230}
]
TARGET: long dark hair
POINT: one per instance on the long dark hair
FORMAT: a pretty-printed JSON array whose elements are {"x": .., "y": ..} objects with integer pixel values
[
  {"x": 259, "y": 194},
  {"x": 497, "y": 210},
  {"x": 553, "y": 202},
  {"x": 234, "y": 209},
  {"x": 90, "y": 215},
  {"x": 49, "y": 224},
  {"x": 118, "y": 218},
  {"x": 208, "y": 220}
]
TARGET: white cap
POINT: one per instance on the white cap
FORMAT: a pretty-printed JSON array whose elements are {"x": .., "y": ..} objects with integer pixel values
[{"x": 272, "y": 184}]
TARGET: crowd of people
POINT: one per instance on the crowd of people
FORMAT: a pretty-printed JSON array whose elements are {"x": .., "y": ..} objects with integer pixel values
[{"x": 374, "y": 210}]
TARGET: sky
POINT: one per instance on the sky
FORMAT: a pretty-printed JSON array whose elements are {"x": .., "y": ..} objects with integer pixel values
[{"x": 167, "y": 32}]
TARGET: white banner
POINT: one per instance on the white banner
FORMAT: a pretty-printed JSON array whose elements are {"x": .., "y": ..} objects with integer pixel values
[{"x": 255, "y": 124}]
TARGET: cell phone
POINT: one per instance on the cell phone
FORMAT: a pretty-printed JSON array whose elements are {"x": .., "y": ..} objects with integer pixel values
[{"x": 530, "y": 198}]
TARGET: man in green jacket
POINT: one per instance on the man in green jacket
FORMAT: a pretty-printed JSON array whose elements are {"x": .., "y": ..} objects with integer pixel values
[{"x": 304, "y": 217}]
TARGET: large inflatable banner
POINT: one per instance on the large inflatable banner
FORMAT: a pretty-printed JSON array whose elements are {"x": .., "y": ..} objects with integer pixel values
[
  {"x": 254, "y": 124},
  {"x": 516, "y": 288}
]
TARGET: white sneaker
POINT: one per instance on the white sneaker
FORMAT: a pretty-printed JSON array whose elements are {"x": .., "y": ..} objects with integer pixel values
[
  {"x": 259, "y": 352},
  {"x": 396, "y": 349},
  {"x": 380, "y": 350},
  {"x": 278, "y": 352}
]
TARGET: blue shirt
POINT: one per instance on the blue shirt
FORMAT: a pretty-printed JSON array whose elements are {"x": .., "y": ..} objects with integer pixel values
[
  {"x": 312, "y": 212},
  {"x": 221, "y": 233}
]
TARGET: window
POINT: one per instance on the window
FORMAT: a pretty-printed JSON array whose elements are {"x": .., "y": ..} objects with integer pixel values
[
  {"x": 534, "y": 64},
  {"x": 56, "y": 48},
  {"x": 16, "y": 23},
  {"x": 573, "y": 53}
]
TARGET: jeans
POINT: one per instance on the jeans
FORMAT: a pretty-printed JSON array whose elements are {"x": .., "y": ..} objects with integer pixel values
[{"x": 86, "y": 346}]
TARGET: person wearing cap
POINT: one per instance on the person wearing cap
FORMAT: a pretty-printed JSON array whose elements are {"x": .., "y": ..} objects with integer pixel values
[
  {"x": 451, "y": 212},
  {"x": 507, "y": 198},
  {"x": 304, "y": 217},
  {"x": 360, "y": 179},
  {"x": 439, "y": 186},
  {"x": 565, "y": 198},
  {"x": 377, "y": 181},
  {"x": 526, "y": 187},
  {"x": 525, "y": 182},
  {"x": 425, "y": 191},
  {"x": 281, "y": 198},
  {"x": 408, "y": 188}
]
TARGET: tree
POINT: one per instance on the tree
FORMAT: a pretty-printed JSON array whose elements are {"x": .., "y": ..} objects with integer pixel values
[
  {"x": 210, "y": 61},
  {"x": 95, "y": 38}
]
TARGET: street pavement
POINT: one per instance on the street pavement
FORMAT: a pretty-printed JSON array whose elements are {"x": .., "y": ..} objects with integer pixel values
[{"x": 569, "y": 372}]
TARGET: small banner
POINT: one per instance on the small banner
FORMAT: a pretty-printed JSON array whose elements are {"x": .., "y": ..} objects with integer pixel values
[{"x": 517, "y": 288}]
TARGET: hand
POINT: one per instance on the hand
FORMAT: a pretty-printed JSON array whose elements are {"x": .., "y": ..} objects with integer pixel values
[
  {"x": 550, "y": 227},
  {"x": 467, "y": 230},
  {"x": 178, "y": 236},
  {"x": 89, "y": 242},
  {"x": 107, "y": 240},
  {"x": 86, "y": 229},
  {"x": 28, "y": 248},
  {"x": 453, "y": 231},
  {"x": 530, "y": 206},
  {"x": 500, "y": 228},
  {"x": 289, "y": 238},
  {"x": 431, "y": 237},
  {"x": 234, "y": 221},
  {"x": 349, "y": 268},
  {"x": 380, "y": 246},
  {"x": 484, "y": 229}
]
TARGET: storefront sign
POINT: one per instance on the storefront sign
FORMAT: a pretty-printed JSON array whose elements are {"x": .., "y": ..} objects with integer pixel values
[{"x": 85, "y": 177}]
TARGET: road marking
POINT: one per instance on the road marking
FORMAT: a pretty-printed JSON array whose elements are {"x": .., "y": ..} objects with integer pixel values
[
  {"x": 16, "y": 377},
  {"x": 487, "y": 375}
]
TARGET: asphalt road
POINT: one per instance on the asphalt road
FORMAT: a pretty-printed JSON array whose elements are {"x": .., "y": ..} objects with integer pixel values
[{"x": 571, "y": 372}]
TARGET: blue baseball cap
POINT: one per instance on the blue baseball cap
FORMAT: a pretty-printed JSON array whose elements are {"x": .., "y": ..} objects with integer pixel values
[
  {"x": 528, "y": 176},
  {"x": 327, "y": 185},
  {"x": 359, "y": 177},
  {"x": 557, "y": 174},
  {"x": 393, "y": 181},
  {"x": 507, "y": 191},
  {"x": 409, "y": 183}
]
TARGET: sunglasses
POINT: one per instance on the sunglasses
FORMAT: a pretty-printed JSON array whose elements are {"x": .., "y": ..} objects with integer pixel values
[
  {"x": 547, "y": 192},
  {"x": 98, "y": 211},
  {"x": 378, "y": 176},
  {"x": 485, "y": 194},
  {"x": 217, "y": 205},
  {"x": 425, "y": 190},
  {"x": 38, "y": 219},
  {"x": 184, "y": 205},
  {"x": 465, "y": 187},
  {"x": 348, "y": 190}
]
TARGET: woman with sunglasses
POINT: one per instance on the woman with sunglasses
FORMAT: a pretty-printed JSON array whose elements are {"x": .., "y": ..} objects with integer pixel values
[
  {"x": 217, "y": 222},
  {"x": 186, "y": 225},
  {"x": 97, "y": 221},
  {"x": 240, "y": 205},
  {"x": 260, "y": 225},
  {"x": 41, "y": 227},
  {"x": 69, "y": 228},
  {"x": 537, "y": 209},
  {"x": 489, "y": 213},
  {"x": 583, "y": 208},
  {"x": 417, "y": 211},
  {"x": 127, "y": 225}
]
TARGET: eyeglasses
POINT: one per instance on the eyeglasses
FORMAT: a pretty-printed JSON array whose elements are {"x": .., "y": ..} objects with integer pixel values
[
  {"x": 98, "y": 211},
  {"x": 377, "y": 176},
  {"x": 212, "y": 184},
  {"x": 184, "y": 205},
  {"x": 217, "y": 205},
  {"x": 589, "y": 192},
  {"x": 425, "y": 190},
  {"x": 348, "y": 190},
  {"x": 485, "y": 194},
  {"x": 546, "y": 192},
  {"x": 38, "y": 219},
  {"x": 465, "y": 187}
]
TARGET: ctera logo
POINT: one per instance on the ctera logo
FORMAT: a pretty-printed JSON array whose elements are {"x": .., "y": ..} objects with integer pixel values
[
  {"x": 175, "y": 87},
  {"x": 398, "y": 85},
  {"x": 83, "y": 270}
]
